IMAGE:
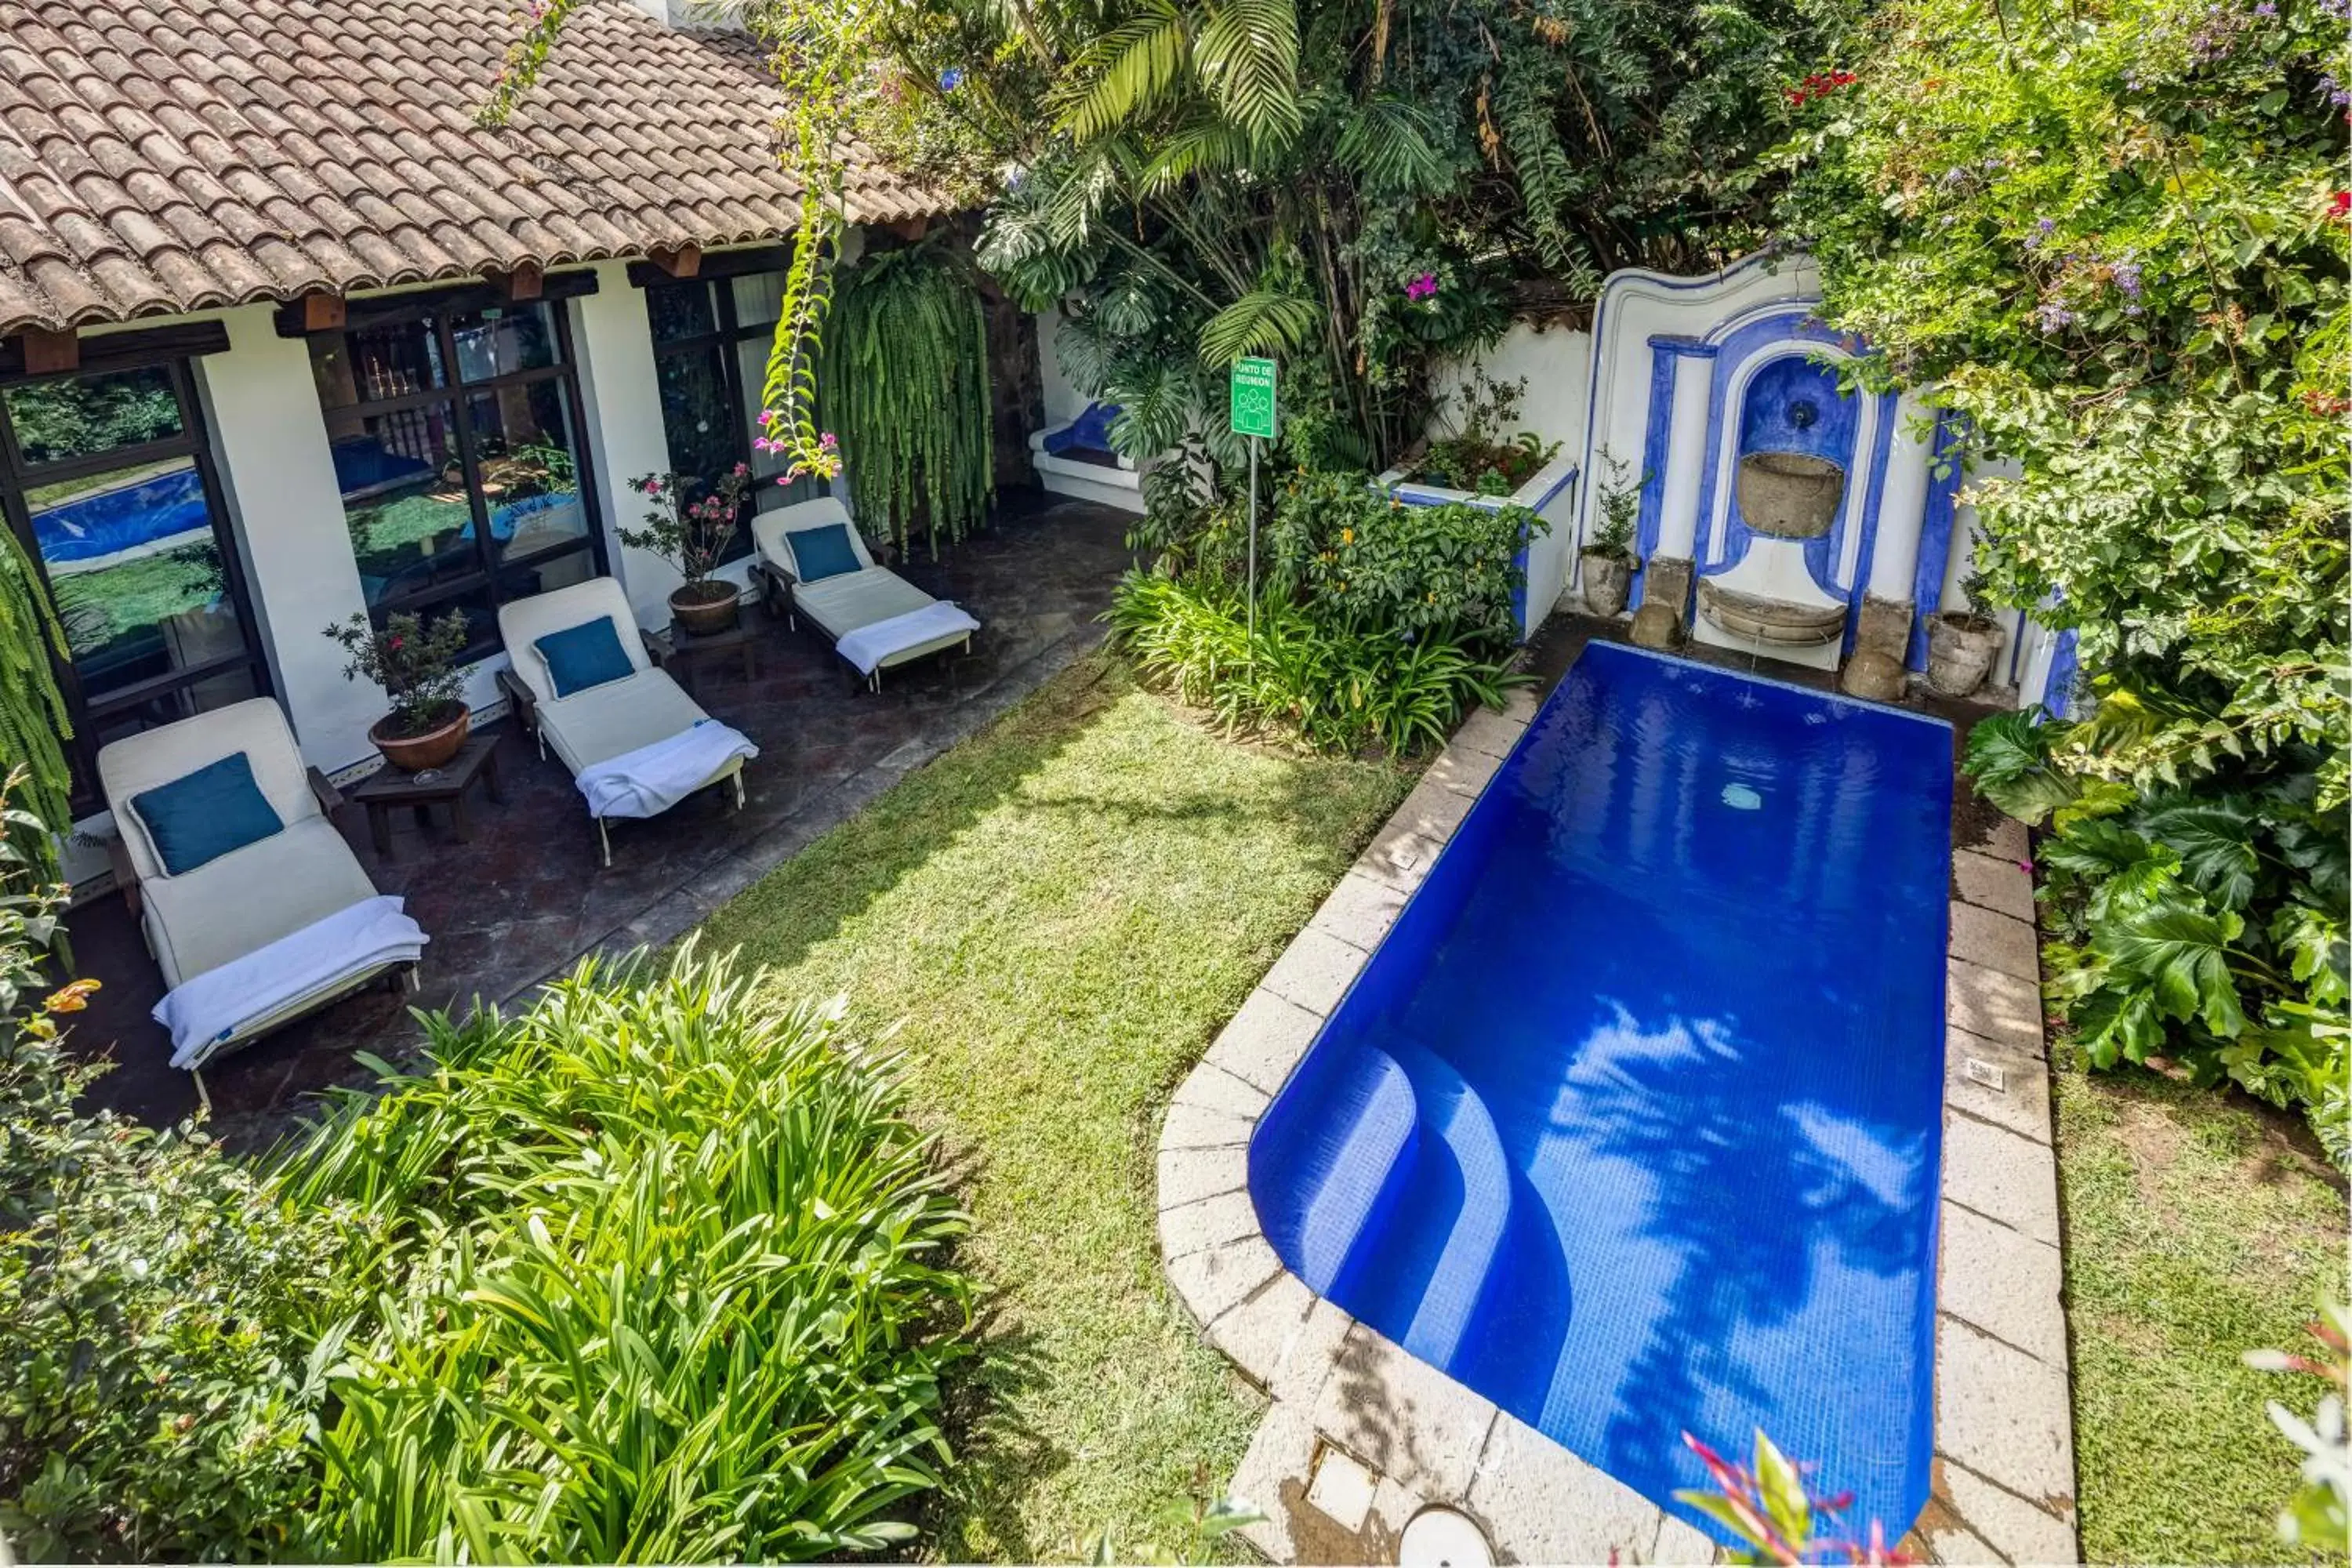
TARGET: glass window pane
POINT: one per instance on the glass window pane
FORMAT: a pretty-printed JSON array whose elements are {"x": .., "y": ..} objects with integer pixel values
[
  {"x": 368, "y": 364},
  {"x": 199, "y": 696},
  {"x": 77, "y": 416},
  {"x": 759, "y": 298},
  {"x": 136, "y": 565},
  {"x": 680, "y": 310},
  {"x": 504, "y": 339},
  {"x": 531, "y": 475},
  {"x": 695, "y": 417},
  {"x": 404, "y": 499}
]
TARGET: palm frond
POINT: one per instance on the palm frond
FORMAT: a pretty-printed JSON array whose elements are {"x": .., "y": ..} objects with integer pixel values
[
  {"x": 1261, "y": 321},
  {"x": 1124, "y": 72},
  {"x": 1248, "y": 59}
]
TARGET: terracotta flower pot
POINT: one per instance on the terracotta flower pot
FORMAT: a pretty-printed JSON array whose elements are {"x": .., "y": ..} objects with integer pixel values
[
  {"x": 1608, "y": 578},
  {"x": 704, "y": 607},
  {"x": 414, "y": 753},
  {"x": 1960, "y": 651}
]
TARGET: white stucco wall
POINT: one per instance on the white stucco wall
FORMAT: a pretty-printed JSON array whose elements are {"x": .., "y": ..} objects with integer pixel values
[
  {"x": 613, "y": 339},
  {"x": 1064, "y": 400},
  {"x": 270, "y": 441},
  {"x": 1555, "y": 364}
]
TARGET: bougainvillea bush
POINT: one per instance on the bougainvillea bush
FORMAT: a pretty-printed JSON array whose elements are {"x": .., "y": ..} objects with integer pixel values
[{"x": 2114, "y": 233}]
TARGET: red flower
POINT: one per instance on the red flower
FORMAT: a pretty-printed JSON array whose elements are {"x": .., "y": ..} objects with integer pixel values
[{"x": 2340, "y": 204}]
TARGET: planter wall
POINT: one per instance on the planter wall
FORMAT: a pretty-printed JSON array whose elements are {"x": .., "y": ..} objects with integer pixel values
[{"x": 1551, "y": 494}]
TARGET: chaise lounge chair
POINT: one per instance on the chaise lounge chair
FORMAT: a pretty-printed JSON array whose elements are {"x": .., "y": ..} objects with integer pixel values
[
  {"x": 583, "y": 683},
  {"x": 255, "y": 910},
  {"x": 812, "y": 561}
]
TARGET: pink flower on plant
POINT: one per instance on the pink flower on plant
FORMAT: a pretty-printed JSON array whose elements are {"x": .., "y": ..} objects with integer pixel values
[
  {"x": 828, "y": 441},
  {"x": 1422, "y": 288}
]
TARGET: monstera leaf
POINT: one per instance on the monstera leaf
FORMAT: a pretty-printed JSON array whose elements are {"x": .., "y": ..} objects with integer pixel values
[
  {"x": 2179, "y": 953},
  {"x": 2215, "y": 841},
  {"x": 2126, "y": 871},
  {"x": 2008, "y": 759}
]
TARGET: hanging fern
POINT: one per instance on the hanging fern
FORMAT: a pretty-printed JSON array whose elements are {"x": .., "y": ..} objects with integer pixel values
[
  {"x": 33, "y": 723},
  {"x": 906, "y": 390}
]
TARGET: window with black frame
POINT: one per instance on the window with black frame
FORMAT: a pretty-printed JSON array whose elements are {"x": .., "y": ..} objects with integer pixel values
[
  {"x": 712, "y": 337},
  {"x": 107, "y": 479},
  {"x": 457, "y": 440}
]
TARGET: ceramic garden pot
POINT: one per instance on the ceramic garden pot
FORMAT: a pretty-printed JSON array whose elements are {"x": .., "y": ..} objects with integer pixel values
[
  {"x": 704, "y": 607},
  {"x": 1607, "y": 578},
  {"x": 1960, "y": 650},
  {"x": 414, "y": 753}
]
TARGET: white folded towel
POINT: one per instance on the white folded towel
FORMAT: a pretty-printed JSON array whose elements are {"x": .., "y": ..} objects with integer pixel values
[
  {"x": 868, "y": 646},
  {"x": 651, "y": 779},
  {"x": 203, "y": 1010}
]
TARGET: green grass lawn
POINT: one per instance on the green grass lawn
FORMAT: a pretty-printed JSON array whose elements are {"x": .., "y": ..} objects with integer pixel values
[
  {"x": 2197, "y": 1228},
  {"x": 1062, "y": 913}
]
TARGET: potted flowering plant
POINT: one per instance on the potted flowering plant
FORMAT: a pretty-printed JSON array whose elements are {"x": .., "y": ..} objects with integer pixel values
[
  {"x": 692, "y": 535},
  {"x": 416, "y": 665}
]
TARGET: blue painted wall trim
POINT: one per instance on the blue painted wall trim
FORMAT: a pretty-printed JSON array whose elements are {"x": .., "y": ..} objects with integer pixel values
[
  {"x": 1786, "y": 323},
  {"x": 1654, "y": 466},
  {"x": 1935, "y": 537},
  {"x": 2058, "y": 687}
]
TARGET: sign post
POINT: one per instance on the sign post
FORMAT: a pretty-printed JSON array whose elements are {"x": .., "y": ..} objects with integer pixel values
[{"x": 1253, "y": 416}]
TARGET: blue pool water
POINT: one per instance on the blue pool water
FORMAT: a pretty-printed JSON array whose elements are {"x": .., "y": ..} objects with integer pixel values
[{"x": 1633, "y": 1123}]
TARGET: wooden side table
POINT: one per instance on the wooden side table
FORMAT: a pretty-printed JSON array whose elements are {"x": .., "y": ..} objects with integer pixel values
[
  {"x": 683, "y": 652},
  {"x": 388, "y": 787}
]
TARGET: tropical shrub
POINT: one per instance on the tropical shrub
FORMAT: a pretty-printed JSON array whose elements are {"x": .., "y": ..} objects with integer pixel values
[
  {"x": 2206, "y": 926},
  {"x": 905, "y": 379},
  {"x": 1334, "y": 688},
  {"x": 2112, "y": 234},
  {"x": 34, "y": 723},
  {"x": 669, "y": 1285},
  {"x": 154, "y": 1389},
  {"x": 1366, "y": 561}
]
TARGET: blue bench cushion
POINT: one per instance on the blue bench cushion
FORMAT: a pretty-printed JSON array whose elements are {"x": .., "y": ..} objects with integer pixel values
[
  {"x": 589, "y": 654},
  {"x": 824, "y": 551},
  {"x": 201, "y": 817}
]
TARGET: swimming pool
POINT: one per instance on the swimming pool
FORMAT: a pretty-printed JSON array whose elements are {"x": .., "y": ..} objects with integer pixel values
[{"x": 1633, "y": 1122}]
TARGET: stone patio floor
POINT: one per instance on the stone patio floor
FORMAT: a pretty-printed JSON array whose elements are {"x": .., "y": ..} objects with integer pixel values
[{"x": 526, "y": 897}]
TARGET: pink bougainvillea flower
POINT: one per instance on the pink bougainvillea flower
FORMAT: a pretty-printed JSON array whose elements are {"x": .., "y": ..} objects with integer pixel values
[{"x": 1422, "y": 288}]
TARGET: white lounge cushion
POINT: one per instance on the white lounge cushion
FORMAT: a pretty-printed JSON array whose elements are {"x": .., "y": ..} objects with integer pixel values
[
  {"x": 842, "y": 605},
  {"x": 771, "y": 532},
  {"x": 250, "y": 897},
  {"x": 256, "y": 727},
  {"x": 523, "y": 622},
  {"x": 600, "y": 723}
]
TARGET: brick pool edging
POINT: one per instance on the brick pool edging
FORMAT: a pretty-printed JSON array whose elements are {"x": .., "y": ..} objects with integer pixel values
[{"x": 1358, "y": 1436}]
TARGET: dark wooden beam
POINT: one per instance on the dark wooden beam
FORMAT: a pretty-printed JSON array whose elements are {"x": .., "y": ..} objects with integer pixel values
[
  {"x": 48, "y": 352},
  {"x": 910, "y": 228},
  {"x": 525, "y": 283},
  {"x": 323, "y": 312},
  {"x": 711, "y": 266}
]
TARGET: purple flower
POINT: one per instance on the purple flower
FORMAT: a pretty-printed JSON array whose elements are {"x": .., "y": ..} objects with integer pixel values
[
  {"x": 2043, "y": 228},
  {"x": 2126, "y": 277},
  {"x": 951, "y": 78},
  {"x": 1422, "y": 288},
  {"x": 2266, "y": 9},
  {"x": 2050, "y": 316}
]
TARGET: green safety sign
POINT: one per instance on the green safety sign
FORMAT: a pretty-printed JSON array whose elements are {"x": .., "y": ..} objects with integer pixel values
[{"x": 1254, "y": 398}]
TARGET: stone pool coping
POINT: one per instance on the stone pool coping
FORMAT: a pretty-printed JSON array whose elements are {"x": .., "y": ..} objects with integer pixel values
[{"x": 1360, "y": 1435}]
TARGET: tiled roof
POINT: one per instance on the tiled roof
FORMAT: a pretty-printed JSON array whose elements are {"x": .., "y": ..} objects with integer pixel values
[{"x": 159, "y": 156}]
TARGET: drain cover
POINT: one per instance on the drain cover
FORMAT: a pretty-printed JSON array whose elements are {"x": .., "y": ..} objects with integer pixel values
[{"x": 1440, "y": 1537}]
